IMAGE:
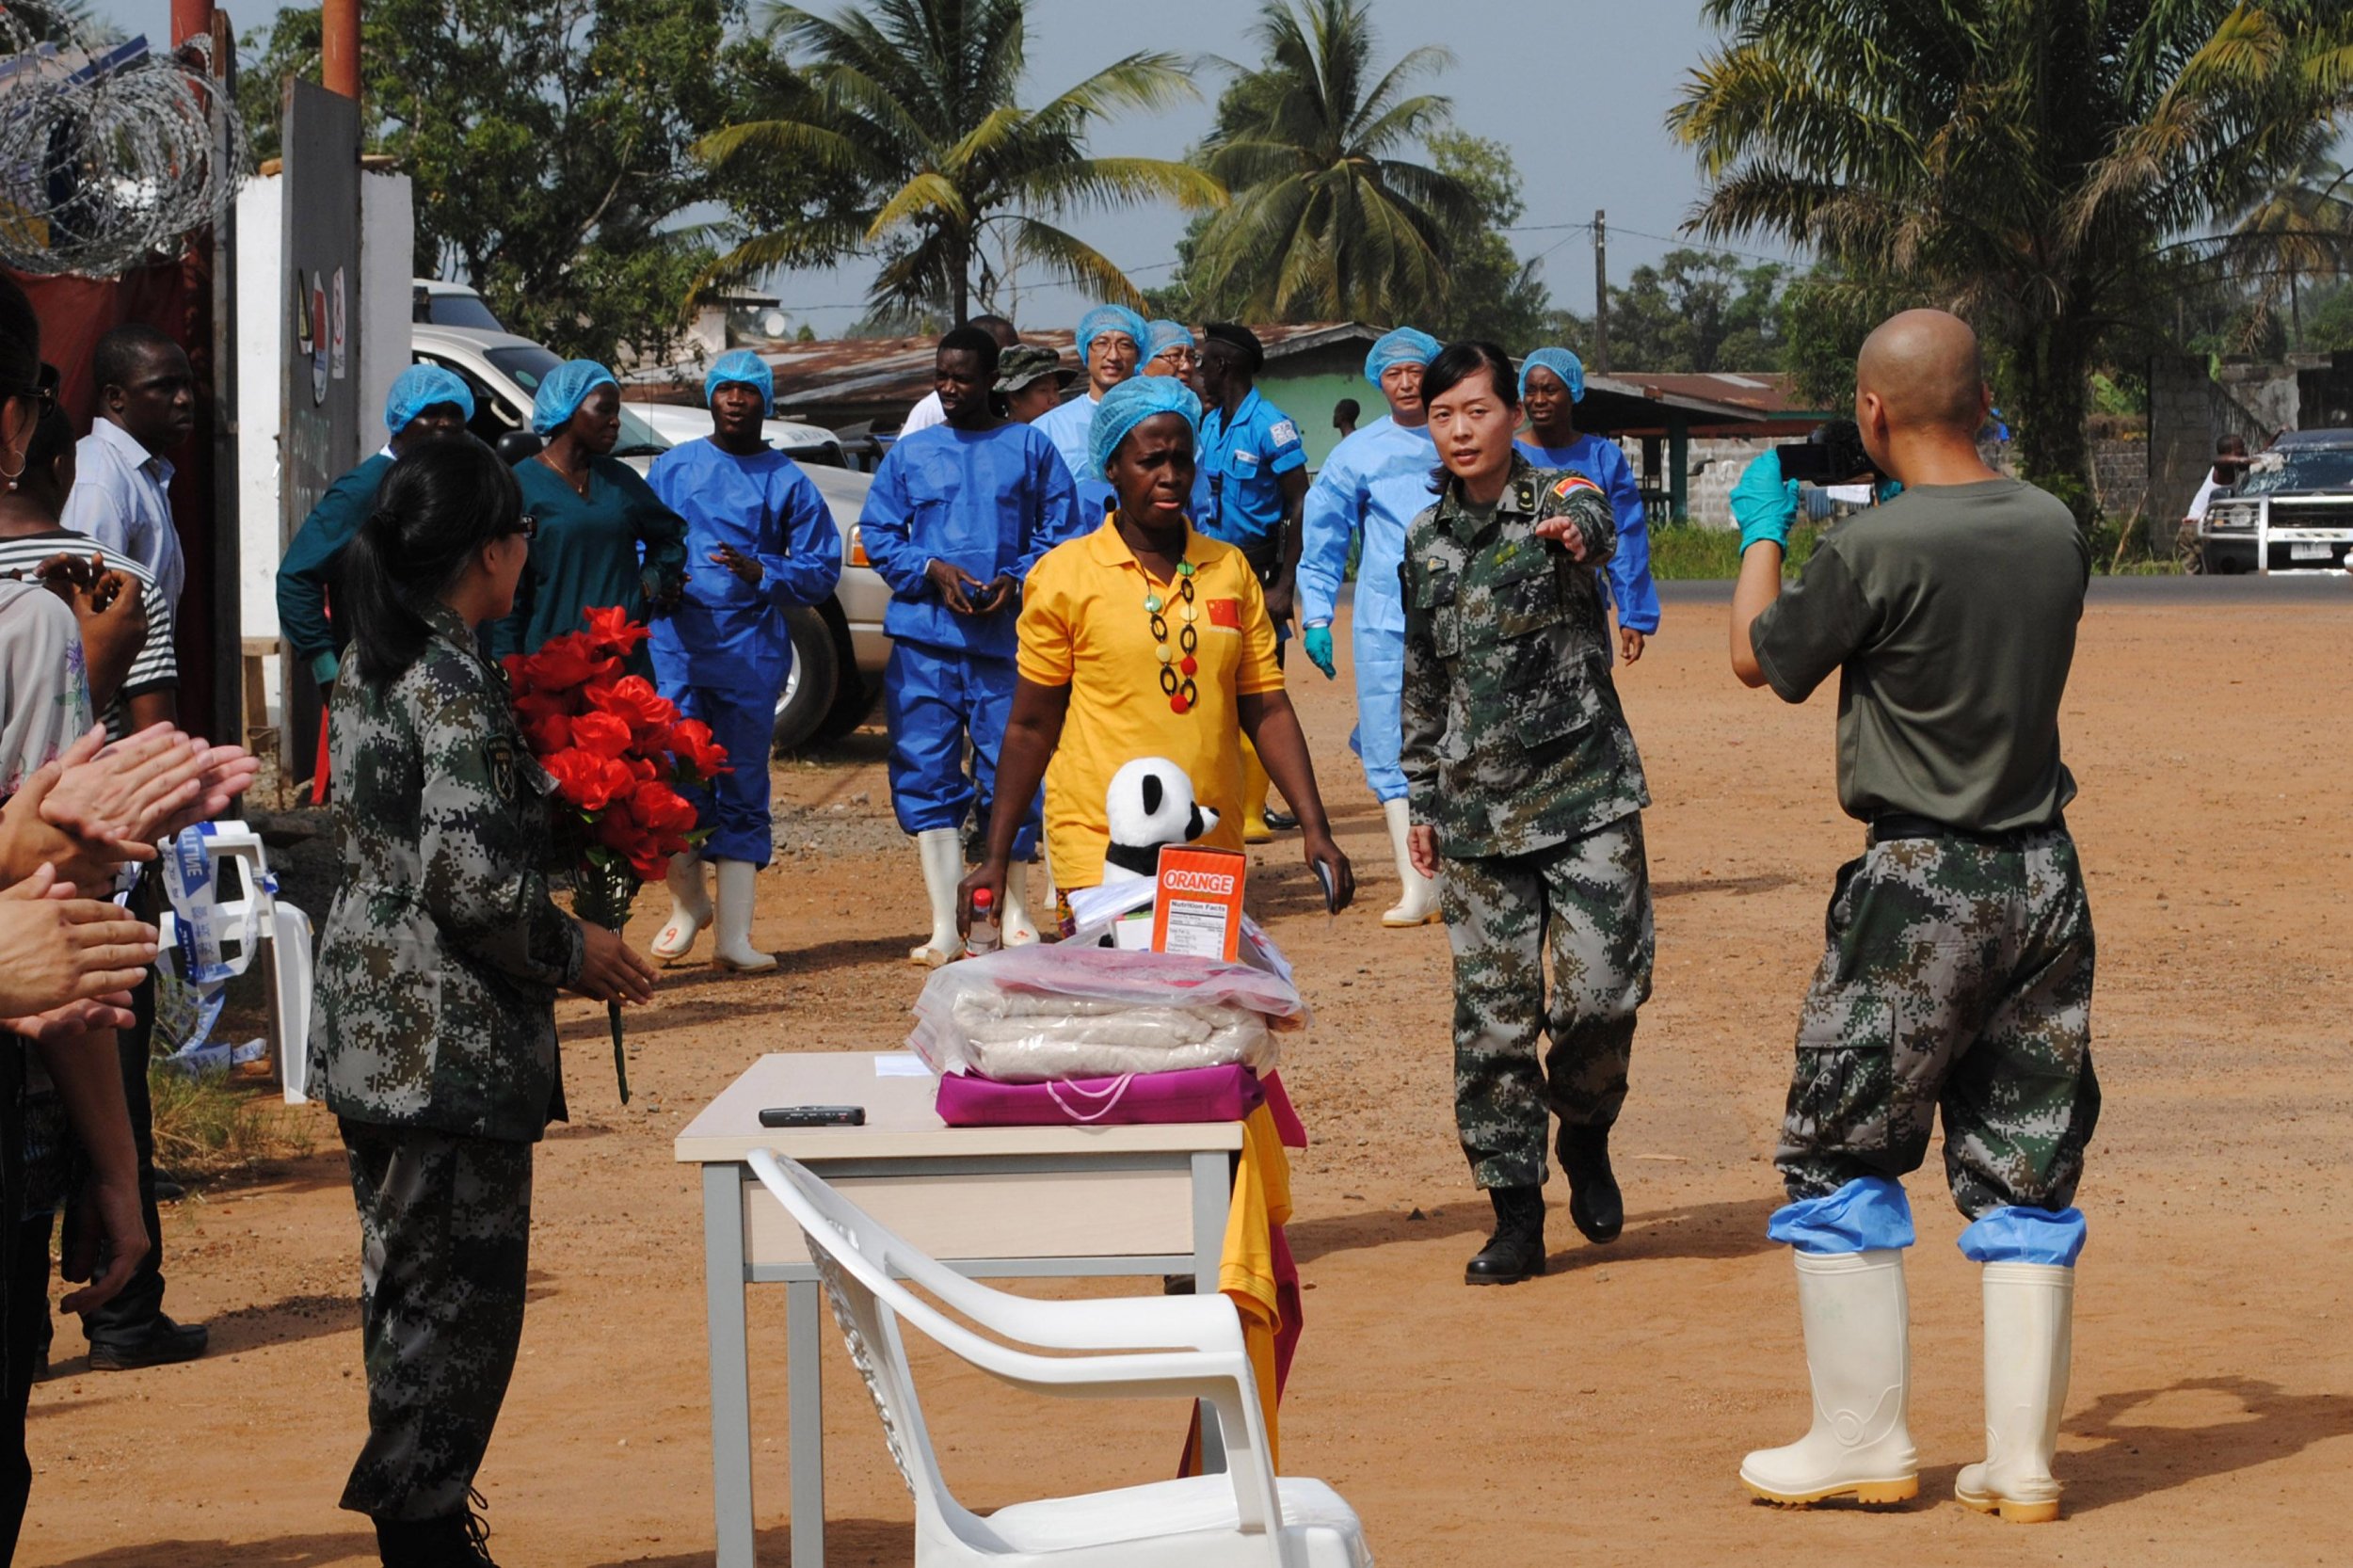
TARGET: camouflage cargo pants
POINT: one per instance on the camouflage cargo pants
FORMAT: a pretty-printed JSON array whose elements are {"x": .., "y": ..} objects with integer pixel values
[
  {"x": 1586, "y": 905},
  {"x": 1957, "y": 976},
  {"x": 444, "y": 1245}
]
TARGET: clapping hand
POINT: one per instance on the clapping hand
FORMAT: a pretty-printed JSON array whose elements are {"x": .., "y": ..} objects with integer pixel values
[
  {"x": 56, "y": 949},
  {"x": 128, "y": 795}
]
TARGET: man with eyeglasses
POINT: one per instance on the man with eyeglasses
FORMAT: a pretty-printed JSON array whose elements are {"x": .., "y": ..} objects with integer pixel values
[{"x": 122, "y": 481}]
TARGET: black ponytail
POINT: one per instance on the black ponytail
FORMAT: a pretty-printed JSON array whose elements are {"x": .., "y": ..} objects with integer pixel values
[{"x": 440, "y": 503}]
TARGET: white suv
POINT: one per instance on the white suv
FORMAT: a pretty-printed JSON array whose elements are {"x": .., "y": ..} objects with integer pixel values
[{"x": 839, "y": 649}]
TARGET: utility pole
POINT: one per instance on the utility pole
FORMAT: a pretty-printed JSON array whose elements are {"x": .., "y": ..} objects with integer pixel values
[
  {"x": 1601, "y": 292},
  {"x": 339, "y": 47}
]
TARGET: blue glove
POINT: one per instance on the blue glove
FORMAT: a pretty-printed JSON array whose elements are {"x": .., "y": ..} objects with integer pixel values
[
  {"x": 1768, "y": 522},
  {"x": 1319, "y": 645}
]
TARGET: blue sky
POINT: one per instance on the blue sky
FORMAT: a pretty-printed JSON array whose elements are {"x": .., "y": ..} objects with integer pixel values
[{"x": 1578, "y": 91}]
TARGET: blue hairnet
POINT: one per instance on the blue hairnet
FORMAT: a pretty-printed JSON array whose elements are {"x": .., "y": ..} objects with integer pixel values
[
  {"x": 563, "y": 389},
  {"x": 1130, "y": 404},
  {"x": 1406, "y": 346},
  {"x": 419, "y": 387},
  {"x": 1561, "y": 364},
  {"x": 1110, "y": 318},
  {"x": 742, "y": 364},
  {"x": 1163, "y": 336}
]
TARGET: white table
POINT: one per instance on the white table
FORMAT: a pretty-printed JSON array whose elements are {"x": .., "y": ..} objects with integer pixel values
[{"x": 1015, "y": 1201}]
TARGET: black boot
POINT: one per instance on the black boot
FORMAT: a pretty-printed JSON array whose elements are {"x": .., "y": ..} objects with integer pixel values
[
  {"x": 1517, "y": 1250},
  {"x": 459, "y": 1540},
  {"x": 1596, "y": 1204}
]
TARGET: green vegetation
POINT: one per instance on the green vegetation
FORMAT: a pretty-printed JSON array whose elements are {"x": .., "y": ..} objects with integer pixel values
[
  {"x": 910, "y": 112},
  {"x": 1686, "y": 552},
  {"x": 2028, "y": 164},
  {"x": 215, "y": 1122}
]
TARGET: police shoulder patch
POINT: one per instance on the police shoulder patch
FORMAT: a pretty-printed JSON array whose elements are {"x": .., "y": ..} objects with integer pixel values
[{"x": 1281, "y": 432}]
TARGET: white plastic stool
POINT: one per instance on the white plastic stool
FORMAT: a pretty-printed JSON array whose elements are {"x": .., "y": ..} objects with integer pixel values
[{"x": 284, "y": 932}]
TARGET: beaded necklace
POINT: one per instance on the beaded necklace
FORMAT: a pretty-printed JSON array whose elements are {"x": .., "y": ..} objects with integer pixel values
[{"x": 1177, "y": 665}]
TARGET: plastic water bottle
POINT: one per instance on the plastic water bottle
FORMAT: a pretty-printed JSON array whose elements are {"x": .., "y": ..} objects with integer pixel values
[{"x": 983, "y": 938}]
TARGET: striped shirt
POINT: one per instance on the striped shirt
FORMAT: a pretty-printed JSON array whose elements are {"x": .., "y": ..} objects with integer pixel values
[{"x": 156, "y": 665}]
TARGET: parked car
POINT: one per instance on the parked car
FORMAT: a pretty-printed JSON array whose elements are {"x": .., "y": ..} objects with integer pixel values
[
  {"x": 839, "y": 649},
  {"x": 444, "y": 304},
  {"x": 2292, "y": 512}
]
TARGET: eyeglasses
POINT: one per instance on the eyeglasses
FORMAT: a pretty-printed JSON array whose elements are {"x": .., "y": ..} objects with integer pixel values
[
  {"x": 44, "y": 391},
  {"x": 528, "y": 526}
]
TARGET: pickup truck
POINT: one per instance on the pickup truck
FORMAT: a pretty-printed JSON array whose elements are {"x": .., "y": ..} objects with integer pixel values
[{"x": 2292, "y": 513}]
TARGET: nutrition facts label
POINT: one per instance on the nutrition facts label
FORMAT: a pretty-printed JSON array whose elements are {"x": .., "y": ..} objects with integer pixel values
[{"x": 1197, "y": 928}]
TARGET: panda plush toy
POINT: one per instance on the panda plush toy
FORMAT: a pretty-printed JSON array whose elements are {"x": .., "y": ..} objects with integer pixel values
[{"x": 1149, "y": 804}]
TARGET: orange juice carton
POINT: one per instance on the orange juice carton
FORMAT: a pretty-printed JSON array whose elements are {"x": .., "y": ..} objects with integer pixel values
[{"x": 1196, "y": 902}]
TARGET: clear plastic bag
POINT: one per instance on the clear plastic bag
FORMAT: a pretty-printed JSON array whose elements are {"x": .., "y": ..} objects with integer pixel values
[{"x": 1033, "y": 1014}]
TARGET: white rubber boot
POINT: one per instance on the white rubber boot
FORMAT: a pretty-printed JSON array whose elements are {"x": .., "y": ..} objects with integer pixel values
[
  {"x": 1858, "y": 1356},
  {"x": 1015, "y": 928},
  {"x": 733, "y": 948},
  {"x": 690, "y": 909},
  {"x": 1419, "y": 906},
  {"x": 2030, "y": 1340},
  {"x": 943, "y": 868}
]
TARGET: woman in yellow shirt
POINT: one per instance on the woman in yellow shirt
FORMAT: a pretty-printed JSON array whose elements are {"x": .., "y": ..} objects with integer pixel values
[{"x": 1144, "y": 639}]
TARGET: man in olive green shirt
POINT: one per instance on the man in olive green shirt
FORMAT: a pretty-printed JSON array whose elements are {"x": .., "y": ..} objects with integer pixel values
[{"x": 1957, "y": 976}]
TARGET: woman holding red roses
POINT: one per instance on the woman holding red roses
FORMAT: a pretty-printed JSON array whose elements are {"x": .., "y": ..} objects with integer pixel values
[{"x": 435, "y": 1035}]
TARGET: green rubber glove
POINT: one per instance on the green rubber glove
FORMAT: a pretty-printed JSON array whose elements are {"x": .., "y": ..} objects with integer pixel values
[{"x": 1319, "y": 645}]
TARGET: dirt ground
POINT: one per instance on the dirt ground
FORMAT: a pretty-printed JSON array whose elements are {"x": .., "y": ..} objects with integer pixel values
[{"x": 1595, "y": 1413}]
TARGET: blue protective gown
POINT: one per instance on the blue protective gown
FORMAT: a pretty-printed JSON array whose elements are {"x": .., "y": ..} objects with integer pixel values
[
  {"x": 1066, "y": 425},
  {"x": 724, "y": 654},
  {"x": 1627, "y": 576},
  {"x": 1375, "y": 483},
  {"x": 989, "y": 503}
]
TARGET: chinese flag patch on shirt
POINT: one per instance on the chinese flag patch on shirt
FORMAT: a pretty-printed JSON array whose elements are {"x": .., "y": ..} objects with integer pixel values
[{"x": 1226, "y": 613}]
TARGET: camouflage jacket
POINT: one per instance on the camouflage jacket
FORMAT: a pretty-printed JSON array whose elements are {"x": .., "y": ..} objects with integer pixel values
[
  {"x": 442, "y": 954},
  {"x": 1514, "y": 738}
]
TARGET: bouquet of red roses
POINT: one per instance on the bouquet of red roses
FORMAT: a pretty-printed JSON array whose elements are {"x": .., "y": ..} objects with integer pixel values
[{"x": 618, "y": 751}]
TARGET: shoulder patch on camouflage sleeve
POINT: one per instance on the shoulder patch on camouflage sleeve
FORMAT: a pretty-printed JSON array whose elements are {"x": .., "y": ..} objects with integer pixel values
[
  {"x": 1570, "y": 483},
  {"x": 498, "y": 752}
]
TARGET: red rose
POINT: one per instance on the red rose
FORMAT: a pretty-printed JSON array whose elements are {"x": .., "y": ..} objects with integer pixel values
[
  {"x": 691, "y": 740},
  {"x": 612, "y": 631},
  {"x": 602, "y": 733},
  {"x": 587, "y": 781},
  {"x": 548, "y": 732},
  {"x": 662, "y": 809},
  {"x": 563, "y": 663},
  {"x": 634, "y": 702}
]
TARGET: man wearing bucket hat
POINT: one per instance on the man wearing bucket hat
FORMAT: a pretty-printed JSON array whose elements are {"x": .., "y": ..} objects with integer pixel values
[
  {"x": 1370, "y": 487},
  {"x": 1111, "y": 346},
  {"x": 760, "y": 542}
]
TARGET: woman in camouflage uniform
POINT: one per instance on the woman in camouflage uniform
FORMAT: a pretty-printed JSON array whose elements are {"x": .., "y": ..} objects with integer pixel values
[
  {"x": 1525, "y": 782},
  {"x": 435, "y": 1042}
]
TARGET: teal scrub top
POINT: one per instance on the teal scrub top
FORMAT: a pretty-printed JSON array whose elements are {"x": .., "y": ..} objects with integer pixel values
[{"x": 587, "y": 555}]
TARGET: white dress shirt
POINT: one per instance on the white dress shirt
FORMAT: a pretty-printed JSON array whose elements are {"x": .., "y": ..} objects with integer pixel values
[
  {"x": 122, "y": 499},
  {"x": 924, "y": 415}
]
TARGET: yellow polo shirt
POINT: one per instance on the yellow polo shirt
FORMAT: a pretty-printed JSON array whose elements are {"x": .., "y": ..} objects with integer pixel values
[{"x": 1084, "y": 626}]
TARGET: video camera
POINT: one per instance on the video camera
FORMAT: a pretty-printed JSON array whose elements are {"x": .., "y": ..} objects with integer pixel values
[{"x": 1832, "y": 455}]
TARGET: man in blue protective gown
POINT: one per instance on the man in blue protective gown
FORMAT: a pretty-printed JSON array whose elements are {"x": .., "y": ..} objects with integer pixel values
[
  {"x": 1250, "y": 477},
  {"x": 759, "y": 542},
  {"x": 1552, "y": 384},
  {"x": 1373, "y": 485},
  {"x": 1956, "y": 977},
  {"x": 958, "y": 515},
  {"x": 1111, "y": 346}
]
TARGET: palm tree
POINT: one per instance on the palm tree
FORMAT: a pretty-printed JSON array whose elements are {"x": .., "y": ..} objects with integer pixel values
[
  {"x": 2021, "y": 161},
  {"x": 2302, "y": 226},
  {"x": 913, "y": 104},
  {"x": 1327, "y": 219}
]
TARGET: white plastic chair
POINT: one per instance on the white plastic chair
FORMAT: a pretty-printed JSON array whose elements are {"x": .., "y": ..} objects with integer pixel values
[
  {"x": 1246, "y": 1517},
  {"x": 286, "y": 932}
]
